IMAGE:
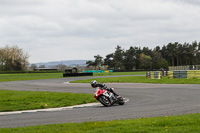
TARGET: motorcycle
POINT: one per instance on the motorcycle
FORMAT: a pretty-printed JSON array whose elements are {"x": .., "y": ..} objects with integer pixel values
[{"x": 107, "y": 98}]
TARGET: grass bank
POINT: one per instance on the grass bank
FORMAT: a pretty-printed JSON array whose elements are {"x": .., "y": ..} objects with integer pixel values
[
  {"x": 26, "y": 100},
  {"x": 140, "y": 79},
  {"x": 173, "y": 124}
]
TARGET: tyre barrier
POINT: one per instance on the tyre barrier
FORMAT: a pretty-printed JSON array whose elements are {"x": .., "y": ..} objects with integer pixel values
[
  {"x": 193, "y": 74},
  {"x": 184, "y": 74},
  {"x": 154, "y": 75}
]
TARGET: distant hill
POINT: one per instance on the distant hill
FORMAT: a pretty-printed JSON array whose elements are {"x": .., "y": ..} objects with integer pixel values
[{"x": 70, "y": 63}]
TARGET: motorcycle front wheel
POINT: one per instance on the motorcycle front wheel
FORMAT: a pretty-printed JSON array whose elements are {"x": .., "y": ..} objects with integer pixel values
[
  {"x": 104, "y": 100},
  {"x": 121, "y": 101}
]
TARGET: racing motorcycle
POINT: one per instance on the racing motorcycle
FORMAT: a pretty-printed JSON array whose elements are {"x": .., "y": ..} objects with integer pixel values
[{"x": 107, "y": 98}]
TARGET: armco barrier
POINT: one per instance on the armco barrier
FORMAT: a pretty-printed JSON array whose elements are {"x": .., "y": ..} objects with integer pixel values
[
  {"x": 98, "y": 71},
  {"x": 76, "y": 74}
]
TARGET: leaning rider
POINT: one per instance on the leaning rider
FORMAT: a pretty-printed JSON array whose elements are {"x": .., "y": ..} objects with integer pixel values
[{"x": 94, "y": 84}]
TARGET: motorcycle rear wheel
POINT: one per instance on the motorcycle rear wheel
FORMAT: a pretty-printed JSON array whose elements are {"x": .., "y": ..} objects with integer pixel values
[{"x": 105, "y": 101}]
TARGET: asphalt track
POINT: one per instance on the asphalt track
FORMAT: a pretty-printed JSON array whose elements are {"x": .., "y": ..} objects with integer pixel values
[{"x": 145, "y": 100}]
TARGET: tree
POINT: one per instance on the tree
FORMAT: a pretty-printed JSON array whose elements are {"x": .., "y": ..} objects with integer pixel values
[
  {"x": 186, "y": 53},
  {"x": 118, "y": 58},
  {"x": 147, "y": 51},
  {"x": 33, "y": 66},
  {"x": 2, "y": 59},
  {"x": 109, "y": 60},
  {"x": 171, "y": 51},
  {"x": 158, "y": 61},
  {"x": 198, "y": 54},
  {"x": 195, "y": 51},
  {"x": 179, "y": 55},
  {"x": 173, "y": 54},
  {"x": 61, "y": 67},
  {"x": 97, "y": 63},
  {"x": 138, "y": 52},
  {"x": 129, "y": 59},
  {"x": 98, "y": 60},
  {"x": 42, "y": 66},
  {"x": 13, "y": 58},
  {"x": 89, "y": 63},
  {"x": 145, "y": 61}
]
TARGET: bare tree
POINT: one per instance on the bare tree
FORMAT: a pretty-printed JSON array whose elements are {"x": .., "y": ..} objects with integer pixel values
[
  {"x": 13, "y": 58},
  {"x": 33, "y": 66},
  {"x": 61, "y": 67}
]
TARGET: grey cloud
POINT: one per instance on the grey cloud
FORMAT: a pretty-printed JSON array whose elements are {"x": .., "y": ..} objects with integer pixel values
[{"x": 94, "y": 26}]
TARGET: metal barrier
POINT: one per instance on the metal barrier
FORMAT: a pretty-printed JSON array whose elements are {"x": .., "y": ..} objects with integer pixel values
[
  {"x": 76, "y": 74},
  {"x": 98, "y": 71},
  {"x": 186, "y": 67}
]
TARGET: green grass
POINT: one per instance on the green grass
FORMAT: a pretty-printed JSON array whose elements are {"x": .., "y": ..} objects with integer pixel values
[
  {"x": 173, "y": 124},
  {"x": 119, "y": 73},
  {"x": 140, "y": 79},
  {"x": 29, "y": 76},
  {"x": 35, "y": 76},
  {"x": 26, "y": 100}
]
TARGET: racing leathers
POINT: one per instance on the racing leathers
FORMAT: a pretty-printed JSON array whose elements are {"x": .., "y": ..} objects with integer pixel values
[{"x": 103, "y": 86}]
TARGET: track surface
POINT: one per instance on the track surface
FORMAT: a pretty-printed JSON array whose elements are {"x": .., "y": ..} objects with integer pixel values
[{"x": 145, "y": 100}]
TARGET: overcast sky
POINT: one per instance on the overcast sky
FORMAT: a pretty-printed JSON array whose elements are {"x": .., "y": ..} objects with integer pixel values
[{"x": 54, "y": 30}]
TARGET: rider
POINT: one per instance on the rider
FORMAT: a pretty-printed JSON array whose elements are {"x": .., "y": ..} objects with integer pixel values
[{"x": 94, "y": 84}]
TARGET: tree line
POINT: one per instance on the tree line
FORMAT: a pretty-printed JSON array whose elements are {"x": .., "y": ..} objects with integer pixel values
[
  {"x": 172, "y": 54},
  {"x": 13, "y": 58}
]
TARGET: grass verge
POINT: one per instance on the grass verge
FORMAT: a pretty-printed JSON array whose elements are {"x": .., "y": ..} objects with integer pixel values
[
  {"x": 119, "y": 73},
  {"x": 174, "y": 124},
  {"x": 35, "y": 76},
  {"x": 26, "y": 100},
  {"x": 140, "y": 79},
  {"x": 29, "y": 76}
]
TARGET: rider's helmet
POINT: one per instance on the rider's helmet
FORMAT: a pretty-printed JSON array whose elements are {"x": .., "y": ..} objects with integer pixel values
[{"x": 93, "y": 83}]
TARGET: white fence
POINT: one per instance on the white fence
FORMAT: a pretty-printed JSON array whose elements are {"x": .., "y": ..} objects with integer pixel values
[{"x": 188, "y": 67}]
